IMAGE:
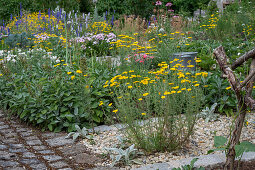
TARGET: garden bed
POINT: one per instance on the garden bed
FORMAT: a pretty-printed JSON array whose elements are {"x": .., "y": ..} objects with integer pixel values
[{"x": 199, "y": 144}]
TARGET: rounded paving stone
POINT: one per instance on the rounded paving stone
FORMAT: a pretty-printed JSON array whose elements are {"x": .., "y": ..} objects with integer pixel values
[
  {"x": 30, "y": 161},
  {"x": 5, "y": 163},
  {"x": 2, "y": 147},
  {"x": 40, "y": 166},
  {"x": 59, "y": 164},
  {"x": 52, "y": 157},
  {"x": 28, "y": 155},
  {"x": 34, "y": 142},
  {"x": 14, "y": 150},
  {"x": 39, "y": 148},
  {"x": 45, "y": 152}
]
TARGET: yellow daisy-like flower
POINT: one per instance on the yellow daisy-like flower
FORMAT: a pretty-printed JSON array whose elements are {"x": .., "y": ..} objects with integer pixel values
[
  {"x": 78, "y": 71},
  {"x": 145, "y": 94},
  {"x": 110, "y": 104},
  {"x": 1, "y": 74},
  {"x": 162, "y": 97},
  {"x": 69, "y": 73},
  {"x": 140, "y": 99},
  {"x": 143, "y": 114},
  {"x": 130, "y": 87},
  {"x": 115, "y": 111},
  {"x": 205, "y": 85},
  {"x": 227, "y": 88},
  {"x": 179, "y": 91},
  {"x": 176, "y": 87},
  {"x": 196, "y": 85},
  {"x": 101, "y": 103},
  {"x": 72, "y": 77},
  {"x": 190, "y": 66},
  {"x": 189, "y": 89}
]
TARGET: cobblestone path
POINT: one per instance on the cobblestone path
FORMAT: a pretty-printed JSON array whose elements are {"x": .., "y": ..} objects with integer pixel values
[{"x": 23, "y": 147}]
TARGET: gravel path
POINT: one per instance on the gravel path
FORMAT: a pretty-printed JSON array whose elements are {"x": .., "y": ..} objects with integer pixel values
[
  {"x": 23, "y": 147},
  {"x": 200, "y": 142}
]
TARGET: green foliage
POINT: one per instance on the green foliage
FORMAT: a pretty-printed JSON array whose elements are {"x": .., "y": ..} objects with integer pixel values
[
  {"x": 188, "y": 7},
  {"x": 220, "y": 143},
  {"x": 12, "y": 7},
  {"x": 126, "y": 156},
  {"x": 217, "y": 92},
  {"x": 19, "y": 40},
  {"x": 48, "y": 97},
  {"x": 208, "y": 113},
  {"x": 80, "y": 132},
  {"x": 157, "y": 118}
]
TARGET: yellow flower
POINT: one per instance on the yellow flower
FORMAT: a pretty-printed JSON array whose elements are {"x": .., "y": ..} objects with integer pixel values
[
  {"x": 78, "y": 71},
  {"x": 115, "y": 111},
  {"x": 1, "y": 74},
  {"x": 198, "y": 61},
  {"x": 130, "y": 87},
  {"x": 143, "y": 114},
  {"x": 176, "y": 87},
  {"x": 179, "y": 91},
  {"x": 196, "y": 85},
  {"x": 170, "y": 83},
  {"x": 162, "y": 97},
  {"x": 173, "y": 92},
  {"x": 145, "y": 94},
  {"x": 205, "y": 85},
  {"x": 119, "y": 97},
  {"x": 110, "y": 104},
  {"x": 190, "y": 66},
  {"x": 72, "y": 77},
  {"x": 101, "y": 103},
  {"x": 227, "y": 88},
  {"x": 189, "y": 89},
  {"x": 85, "y": 75},
  {"x": 140, "y": 99},
  {"x": 69, "y": 73}
]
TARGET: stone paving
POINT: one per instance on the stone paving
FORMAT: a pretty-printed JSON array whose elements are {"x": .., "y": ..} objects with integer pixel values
[{"x": 23, "y": 147}]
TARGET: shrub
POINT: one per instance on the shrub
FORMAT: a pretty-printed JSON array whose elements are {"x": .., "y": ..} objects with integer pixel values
[
  {"x": 159, "y": 107},
  {"x": 45, "y": 91}
]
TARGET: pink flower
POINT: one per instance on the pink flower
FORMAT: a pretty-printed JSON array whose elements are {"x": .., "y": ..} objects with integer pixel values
[
  {"x": 169, "y": 4},
  {"x": 158, "y": 3}
]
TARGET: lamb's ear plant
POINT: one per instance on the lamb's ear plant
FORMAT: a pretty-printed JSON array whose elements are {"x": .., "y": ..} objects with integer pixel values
[
  {"x": 126, "y": 156},
  {"x": 208, "y": 113},
  {"x": 190, "y": 166},
  {"x": 80, "y": 132}
]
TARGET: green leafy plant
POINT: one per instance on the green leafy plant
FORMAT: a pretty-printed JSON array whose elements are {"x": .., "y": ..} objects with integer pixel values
[
  {"x": 208, "y": 113},
  {"x": 220, "y": 143},
  {"x": 126, "y": 156},
  {"x": 80, "y": 132},
  {"x": 190, "y": 166},
  {"x": 19, "y": 40}
]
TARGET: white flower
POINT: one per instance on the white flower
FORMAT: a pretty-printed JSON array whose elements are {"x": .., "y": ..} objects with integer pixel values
[{"x": 57, "y": 61}]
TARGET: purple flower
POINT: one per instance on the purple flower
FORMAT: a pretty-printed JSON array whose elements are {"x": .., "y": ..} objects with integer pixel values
[
  {"x": 158, "y": 3},
  {"x": 169, "y": 4}
]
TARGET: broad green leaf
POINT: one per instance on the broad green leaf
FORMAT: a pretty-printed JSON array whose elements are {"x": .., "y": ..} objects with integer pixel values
[
  {"x": 68, "y": 98},
  {"x": 219, "y": 141},
  {"x": 76, "y": 111},
  {"x": 50, "y": 127}
]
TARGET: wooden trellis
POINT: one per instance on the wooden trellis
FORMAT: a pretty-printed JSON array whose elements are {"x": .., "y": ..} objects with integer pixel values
[{"x": 243, "y": 91}]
